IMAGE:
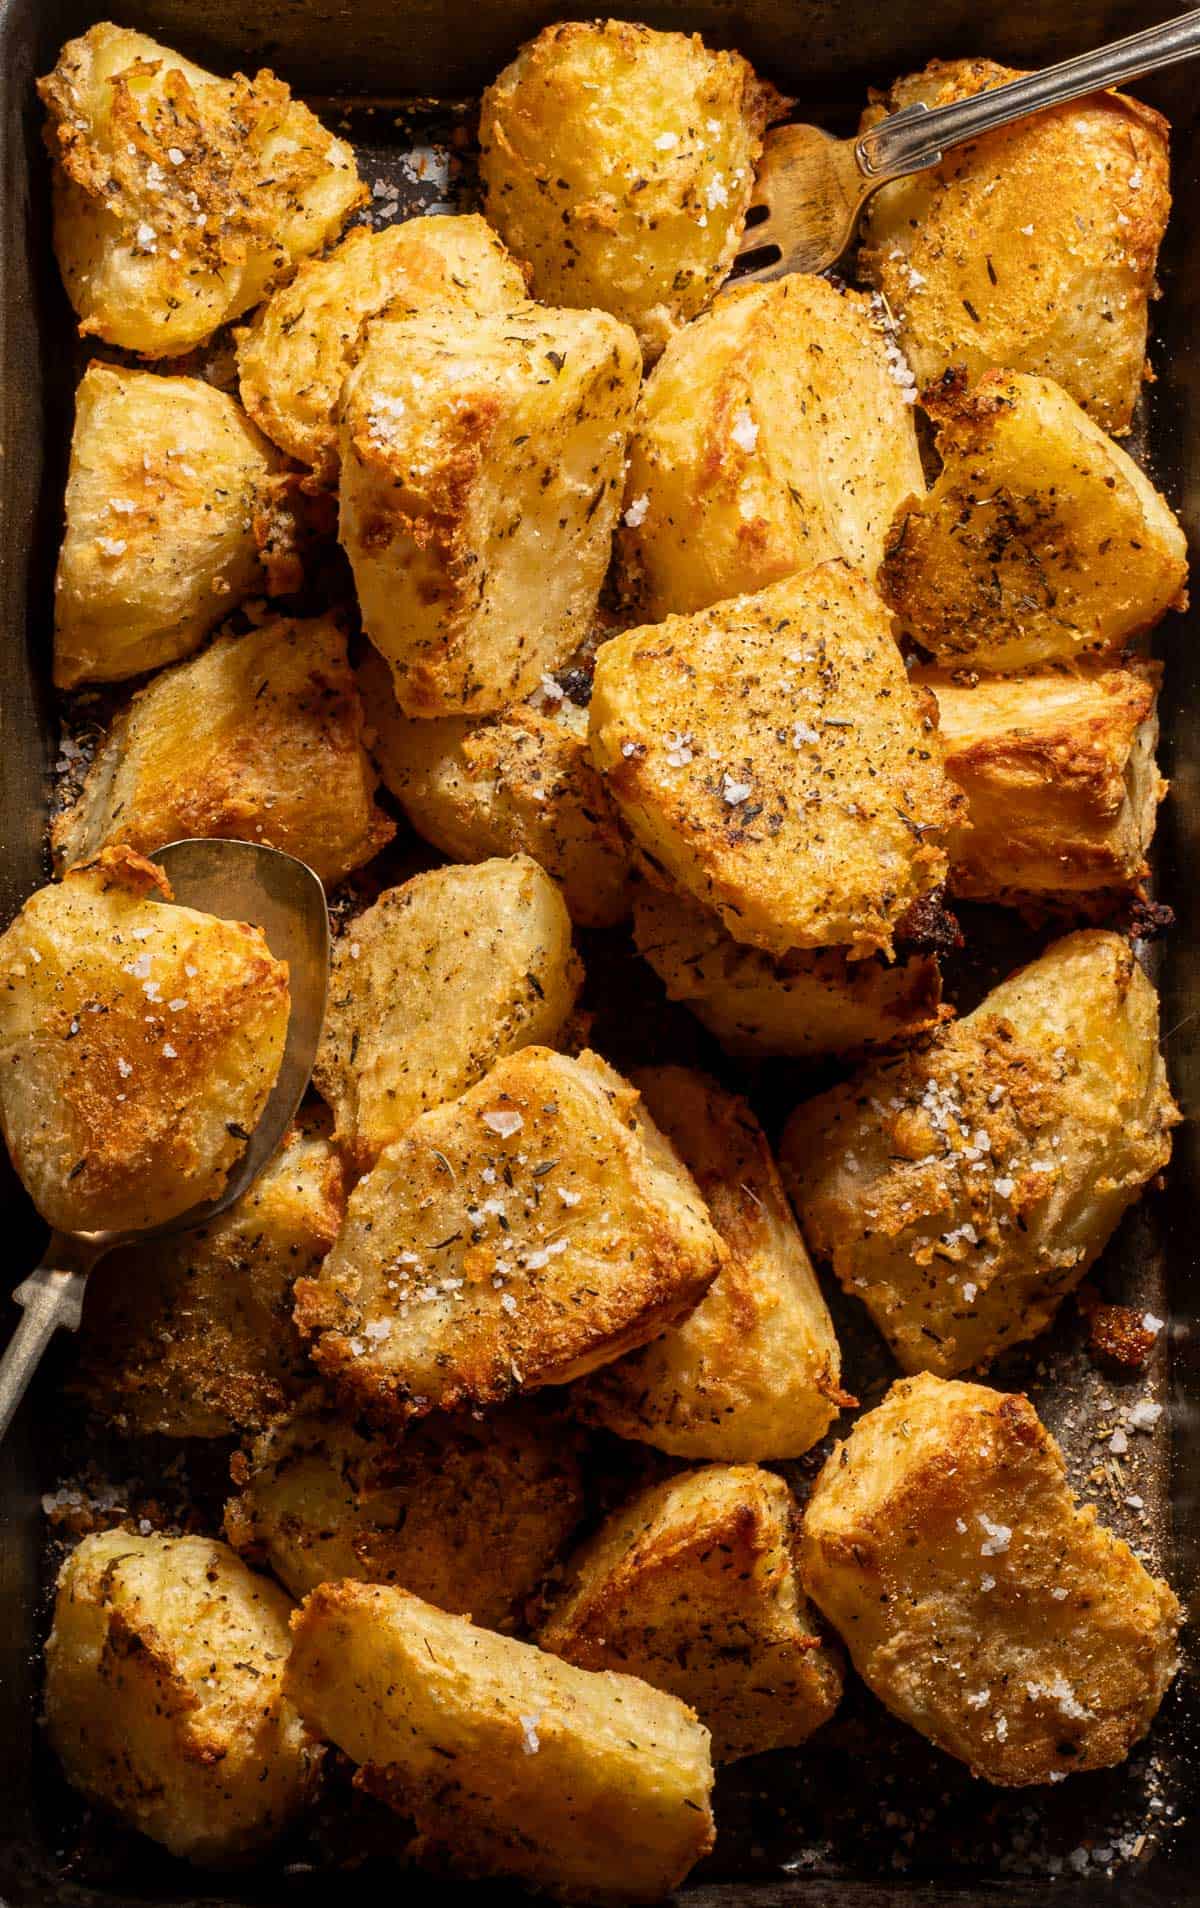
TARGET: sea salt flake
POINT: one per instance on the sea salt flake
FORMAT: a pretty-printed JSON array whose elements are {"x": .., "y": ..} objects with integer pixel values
[
  {"x": 735, "y": 792},
  {"x": 169, "y": 1052},
  {"x": 636, "y": 513},
  {"x": 378, "y": 1329},
  {"x": 123, "y": 1067},
  {"x": 999, "y": 1536},
  {"x": 744, "y": 431},
  {"x": 530, "y": 1742},
  {"x": 504, "y": 1122},
  {"x": 1152, "y": 1324},
  {"x": 665, "y": 141}
]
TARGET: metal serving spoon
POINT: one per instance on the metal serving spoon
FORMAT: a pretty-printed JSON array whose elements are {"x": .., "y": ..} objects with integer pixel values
[
  {"x": 239, "y": 881},
  {"x": 813, "y": 187}
]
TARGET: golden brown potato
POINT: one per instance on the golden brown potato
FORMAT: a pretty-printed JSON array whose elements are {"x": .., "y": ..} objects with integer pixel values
[
  {"x": 594, "y": 1788},
  {"x": 165, "y": 481},
  {"x": 1031, "y": 249},
  {"x": 470, "y": 1516},
  {"x": 434, "y": 983},
  {"x": 964, "y": 1188},
  {"x": 260, "y": 738},
  {"x": 1059, "y": 774},
  {"x": 694, "y": 1586},
  {"x": 192, "y": 1336},
  {"x": 772, "y": 435},
  {"x": 481, "y": 465},
  {"x": 517, "y": 783},
  {"x": 533, "y": 1229},
  {"x": 977, "y": 1599},
  {"x": 296, "y": 353},
  {"x": 771, "y": 759},
  {"x": 803, "y": 1004},
  {"x": 164, "y": 1694},
  {"x": 138, "y": 1044},
  {"x": 619, "y": 162},
  {"x": 753, "y": 1372},
  {"x": 180, "y": 197},
  {"x": 1040, "y": 539}
]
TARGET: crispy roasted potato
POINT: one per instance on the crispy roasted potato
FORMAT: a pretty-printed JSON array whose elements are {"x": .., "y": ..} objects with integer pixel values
[
  {"x": 297, "y": 351},
  {"x": 594, "y": 1788},
  {"x": 431, "y": 985},
  {"x": 481, "y": 465},
  {"x": 962, "y": 1189},
  {"x": 1060, "y": 778},
  {"x": 259, "y": 738},
  {"x": 469, "y": 1515},
  {"x": 164, "y": 1694},
  {"x": 517, "y": 783},
  {"x": 977, "y": 1599},
  {"x": 192, "y": 1336},
  {"x": 138, "y": 1044},
  {"x": 1040, "y": 539},
  {"x": 619, "y": 162},
  {"x": 533, "y": 1229},
  {"x": 165, "y": 480},
  {"x": 753, "y": 1372},
  {"x": 771, "y": 759},
  {"x": 694, "y": 1586},
  {"x": 180, "y": 197},
  {"x": 1031, "y": 249},
  {"x": 771, "y": 436}
]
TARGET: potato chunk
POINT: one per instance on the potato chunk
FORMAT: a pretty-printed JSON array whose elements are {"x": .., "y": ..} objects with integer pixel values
[
  {"x": 594, "y": 1788},
  {"x": 165, "y": 480},
  {"x": 296, "y": 353},
  {"x": 138, "y": 1045},
  {"x": 469, "y": 1515},
  {"x": 771, "y": 759},
  {"x": 694, "y": 1586},
  {"x": 533, "y": 1229},
  {"x": 482, "y": 459},
  {"x": 1040, "y": 539},
  {"x": 771, "y": 436},
  {"x": 963, "y": 1189},
  {"x": 180, "y": 197},
  {"x": 1031, "y": 249},
  {"x": 1060, "y": 778},
  {"x": 433, "y": 984},
  {"x": 619, "y": 161},
  {"x": 753, "y": 1372},
  {"x": 517, "y": 783},
  {"x": 978, "y": 1600},
  {"x": 259, "y": 738},
  {"x": 164, "y": 1694}
]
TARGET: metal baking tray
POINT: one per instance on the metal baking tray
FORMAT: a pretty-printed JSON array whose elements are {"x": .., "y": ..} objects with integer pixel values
[{"x": 868, "y": 1815}]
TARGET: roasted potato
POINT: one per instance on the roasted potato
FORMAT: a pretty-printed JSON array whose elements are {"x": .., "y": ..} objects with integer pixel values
[
  {"x": 179, "y": 197},
  {"x": 517, "y": 783},
  {"x": 1060, "y": 778},
  {"x": 296, "y": 353},
  {"x": 962, "y": 1189},
  {"x": 470, "y": 1516},
  {"x": 619, "y": 162},
  {"x": 771, "y": 436},
  {"x": 192, "y": 1336},
  {"x": 772, "y": 760},
  {"x": 533, "y": 1229},
  {"x": 594, "y": 1788},
  {"x": 165, "y": 481},
  {"x": 259, "y": 738},
  {"x": 803, "y": 1004},
  {"x": 753, "y": 1372},
  {"x": 481, "y": 466},
  {"x": 424, "y": 998},
  {"x": 164, "y": 1694},
  {"x": 1031, "y": 249},
  {"x": 694, "y": 1586},
  {"x": 1041, "y": 538},
  {"x": 977, "y": 1599},
  {"x": 138, "y": 1044}
]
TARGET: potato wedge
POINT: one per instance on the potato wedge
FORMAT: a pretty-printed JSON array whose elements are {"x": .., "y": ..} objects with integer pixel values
[
  {"x": 977, "y": 1599},
  {"x": 594, "y": 1788}
]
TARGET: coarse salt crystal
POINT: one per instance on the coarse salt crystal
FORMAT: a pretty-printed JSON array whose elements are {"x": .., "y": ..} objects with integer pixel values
[
  {"x": 123, "y": 1067},
  {"x": 379, "y": 1328},
  {"x": 715, "y": 193},
  {"x": 1144, "y": 1415},
  {"x": 636, "y": 512},
  {"x": 734, "y": 792},
  {"x": 508, "y": 1302},
  {"x": 111, "y": 546},
  {"x": 999, "y": 1536},
  {"x": 175, "y": 155},
  {"x": 744, "y": 431},
  {"x": 665, "y": 141},
  {"x": 504, "y": 1122},
  {"x": 568, "y": 1197},
  {"x": 169, "y": 1052},
  {"x": 801, "y": 733},
  {"x": 1152, "y": 1324},
  {"x": 970, "y": 1292},
  {"x": 530, "y": 1742},
  {"x": 1118, "y": 1444},
  {"x": 1005, "y": 1187}
]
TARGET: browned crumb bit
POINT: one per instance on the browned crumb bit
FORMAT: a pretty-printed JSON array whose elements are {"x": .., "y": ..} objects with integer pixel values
[{"x": 1117, "y": 1334}]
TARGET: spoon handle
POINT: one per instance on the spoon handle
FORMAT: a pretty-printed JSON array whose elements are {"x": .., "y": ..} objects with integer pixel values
[
  {"x": 911, "y": 140},
  {"x": 50, "y": 1299}
]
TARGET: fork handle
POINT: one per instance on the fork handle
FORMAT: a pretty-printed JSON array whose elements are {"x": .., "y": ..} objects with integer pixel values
[
  {"x": 50, "y": 1299},
  {"x": 910, "y": 140}
]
